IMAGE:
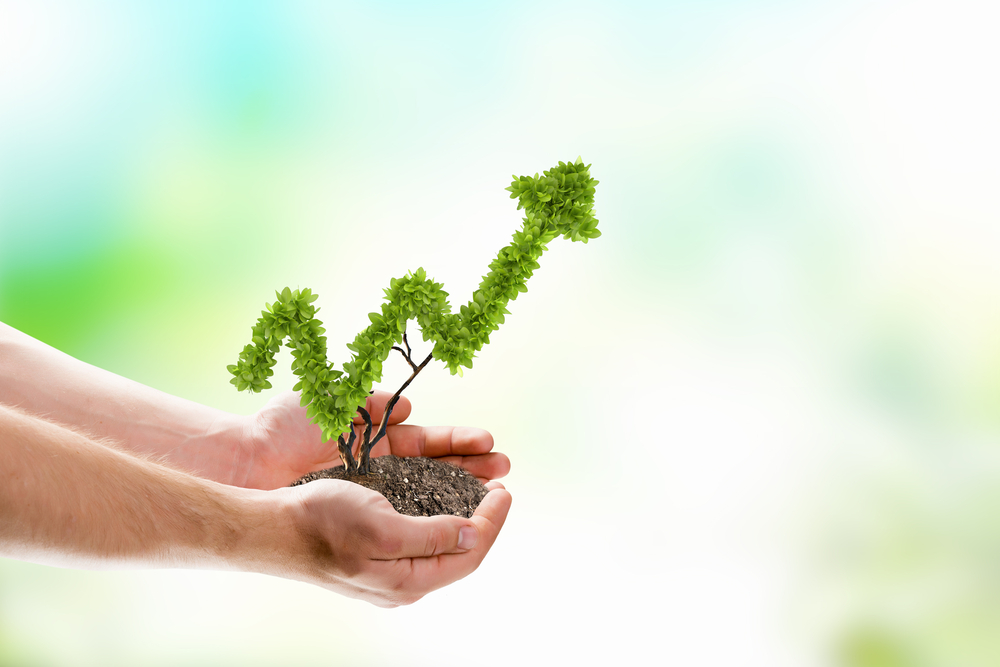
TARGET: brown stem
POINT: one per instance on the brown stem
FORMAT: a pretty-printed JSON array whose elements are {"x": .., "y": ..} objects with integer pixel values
[
  {"x": 405, "y": 356},
  {"x": 366, "y": 450},
  {"x": 409, "y": 352},
  {"x": 345, "y": 451}
]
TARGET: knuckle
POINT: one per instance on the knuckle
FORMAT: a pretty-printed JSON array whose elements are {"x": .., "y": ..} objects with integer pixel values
[
  {"x": 383, "y": 542},
  {"x": 434, "y": 543}
]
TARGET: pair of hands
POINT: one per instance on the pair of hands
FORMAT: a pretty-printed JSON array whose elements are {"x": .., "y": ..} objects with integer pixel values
[
  {"x": 360, "y": 545},
  {"x": 221, "y": 499}
]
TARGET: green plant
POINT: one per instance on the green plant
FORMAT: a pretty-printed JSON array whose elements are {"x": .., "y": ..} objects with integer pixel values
[{"x": 560, "y": 202}]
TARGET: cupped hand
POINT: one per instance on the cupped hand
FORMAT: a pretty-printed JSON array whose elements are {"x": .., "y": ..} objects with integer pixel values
[
  {"x": 283, "y": 444},
  {"x": 351, "y": 540}
]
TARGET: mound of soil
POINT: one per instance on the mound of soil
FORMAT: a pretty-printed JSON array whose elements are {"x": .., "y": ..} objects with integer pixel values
[{"x": 416, "y": 486}]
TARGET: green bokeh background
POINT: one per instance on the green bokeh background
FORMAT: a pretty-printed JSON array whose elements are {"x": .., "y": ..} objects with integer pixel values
[{"x": 756, "y": 422}]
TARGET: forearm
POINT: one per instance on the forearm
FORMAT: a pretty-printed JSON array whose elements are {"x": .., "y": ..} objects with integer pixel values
[
  {"x": 68, "y": 500},
  {"x": 46, "y": 382}
]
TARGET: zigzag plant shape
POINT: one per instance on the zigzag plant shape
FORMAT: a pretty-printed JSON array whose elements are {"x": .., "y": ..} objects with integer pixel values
[{"x": 560, "y": 202}]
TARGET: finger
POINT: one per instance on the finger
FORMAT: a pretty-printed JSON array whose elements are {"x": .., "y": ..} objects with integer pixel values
[
  {"x": 375, "y": 405},
  {"x": 423, "y": 537},
  {"x": 485, "y": 467},
  {"x": 439, "y": 441},
  {"x": 494, "y": 485},
  {"x": 465, "y": 447},
  {"x": 419, "y": 576}
]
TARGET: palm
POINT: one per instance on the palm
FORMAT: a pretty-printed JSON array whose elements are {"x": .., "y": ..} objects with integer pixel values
[{"x": 287, "y": 445}]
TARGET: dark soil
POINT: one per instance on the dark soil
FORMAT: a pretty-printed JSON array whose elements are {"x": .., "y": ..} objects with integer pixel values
[{"x": 416, "y": 486}]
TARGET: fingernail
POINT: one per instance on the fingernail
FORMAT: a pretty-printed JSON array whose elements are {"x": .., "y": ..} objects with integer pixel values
[{"x": 467, "y": 537}]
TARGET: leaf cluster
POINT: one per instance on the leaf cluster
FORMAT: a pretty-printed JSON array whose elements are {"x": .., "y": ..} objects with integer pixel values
[{"x": 560, "y": 202}]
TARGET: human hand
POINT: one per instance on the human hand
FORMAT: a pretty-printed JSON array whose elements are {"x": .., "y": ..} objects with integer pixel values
[
  {"x": 330, "y": 532},
  {"x": 350, "y": 540},
  {"x": 283, "y": 444}
]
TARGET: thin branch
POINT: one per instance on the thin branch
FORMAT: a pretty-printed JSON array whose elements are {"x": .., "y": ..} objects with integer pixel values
[
  {"x": 367, "y": 444},
  {"x": 385, "y": 417},
  {"x": 392, "y": 402},
  {"x": 345, "y": 451},
  {"x": 409, "y": 352},
  {"x": 405, "y": 356},
  {"x": 415, "y": 371},
  {"x": 364, "y": 448},
  {"x": 368, "y": 423}
]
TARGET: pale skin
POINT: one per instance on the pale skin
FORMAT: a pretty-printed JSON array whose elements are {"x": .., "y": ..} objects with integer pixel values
[{"x": 99, "y": 471}]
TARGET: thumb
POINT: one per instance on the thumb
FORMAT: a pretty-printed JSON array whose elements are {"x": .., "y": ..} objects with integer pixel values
[{"x": 423, "y": 537}]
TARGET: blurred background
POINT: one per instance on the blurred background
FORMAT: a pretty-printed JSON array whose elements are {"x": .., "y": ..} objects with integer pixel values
[{"x": 757, "y": 422}]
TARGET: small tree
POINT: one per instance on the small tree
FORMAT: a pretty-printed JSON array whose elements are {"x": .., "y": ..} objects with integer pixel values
[{"x": 560, "y": 202}]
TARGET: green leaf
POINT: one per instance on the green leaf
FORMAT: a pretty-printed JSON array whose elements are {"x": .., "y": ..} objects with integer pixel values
[{"x": 557, "y": 203}]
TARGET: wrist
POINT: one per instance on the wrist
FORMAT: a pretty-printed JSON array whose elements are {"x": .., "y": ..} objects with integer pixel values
[
  {"x": 265, "y": 537},
  {"x": 225, "y": 452}
]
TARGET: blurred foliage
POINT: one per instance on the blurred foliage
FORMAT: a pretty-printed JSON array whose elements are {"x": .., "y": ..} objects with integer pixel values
[
  {"x": 71, "y": 299},
  {"x": 868, "y": 647}
]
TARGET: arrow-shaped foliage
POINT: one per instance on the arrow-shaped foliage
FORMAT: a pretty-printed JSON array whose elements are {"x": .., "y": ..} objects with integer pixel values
[{"x": 557, "y": 203}]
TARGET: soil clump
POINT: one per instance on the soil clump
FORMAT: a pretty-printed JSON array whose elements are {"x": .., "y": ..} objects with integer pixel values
[{"x": 416, "y": 486}]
